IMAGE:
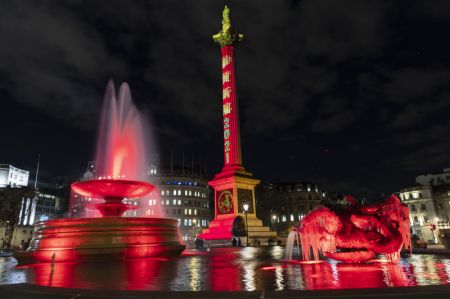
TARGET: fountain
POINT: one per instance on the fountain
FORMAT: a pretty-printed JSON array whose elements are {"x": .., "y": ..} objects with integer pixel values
[
  {"x": 120, "y": 169},
  {"x": 353, "y": 233}
]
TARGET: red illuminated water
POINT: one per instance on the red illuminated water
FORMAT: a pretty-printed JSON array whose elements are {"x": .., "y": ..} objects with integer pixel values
[
  {"x": 121, "y": 160},
  {"x": 233, "y": 269},
  {"x": 121, "y": 147},
  {"x": 113, "y": 192},
  {"x": 119, "y": 173}
]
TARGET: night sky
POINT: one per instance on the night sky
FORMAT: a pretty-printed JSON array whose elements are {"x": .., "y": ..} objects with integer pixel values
[{"x": 353, "y": 95}]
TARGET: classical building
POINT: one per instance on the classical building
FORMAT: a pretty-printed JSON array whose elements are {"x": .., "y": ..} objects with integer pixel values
[
  {"x": 434, "y": 179},
  {"x": 12, "y": 176},
  {"x": 234, "y": 186},
  {"x": 283, "y": 204},
  {"x": 429, "y": 205},
  {"x": 23, "y": 210},
  {"x": 183, "y": 194},
  {"x": 422, "y": 211}
]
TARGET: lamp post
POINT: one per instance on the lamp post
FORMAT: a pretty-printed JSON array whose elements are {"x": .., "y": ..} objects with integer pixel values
[
  {"x": 434, "y": 227},
  {"x": 246, "y": 223},
  {"x": 274, "y": 218}
]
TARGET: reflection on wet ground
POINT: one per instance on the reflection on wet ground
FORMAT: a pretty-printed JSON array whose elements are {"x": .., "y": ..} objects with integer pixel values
[{"x": 231, "y": 269}]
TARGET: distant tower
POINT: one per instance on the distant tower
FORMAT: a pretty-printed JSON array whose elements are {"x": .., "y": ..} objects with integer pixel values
[
  {"x": 89, "y": 174},
  {"x": 233, "y": 186}
]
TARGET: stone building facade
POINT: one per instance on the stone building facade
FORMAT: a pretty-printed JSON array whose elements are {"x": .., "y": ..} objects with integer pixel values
[{"x": 283, "y": 204}]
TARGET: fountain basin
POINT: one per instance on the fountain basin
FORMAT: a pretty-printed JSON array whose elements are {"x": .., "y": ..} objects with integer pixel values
[
  {"x": 113, "y": 192},
  {"x": 101, "y": 239},
  {"x": 112, "y": 188}
]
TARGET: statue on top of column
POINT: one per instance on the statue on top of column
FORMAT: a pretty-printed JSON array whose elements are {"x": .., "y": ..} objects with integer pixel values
[{"x": 227, "y": 36}]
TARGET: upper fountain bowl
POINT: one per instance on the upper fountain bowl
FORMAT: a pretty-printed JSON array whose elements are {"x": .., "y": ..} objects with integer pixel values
[{"x": 112, "y": 188}]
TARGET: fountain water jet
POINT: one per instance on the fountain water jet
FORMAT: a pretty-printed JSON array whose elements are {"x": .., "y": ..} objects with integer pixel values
[{"x": 120, "y": 168}]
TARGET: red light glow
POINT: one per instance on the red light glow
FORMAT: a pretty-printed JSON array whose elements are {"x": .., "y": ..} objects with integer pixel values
[{"x": 354, "y": 233}]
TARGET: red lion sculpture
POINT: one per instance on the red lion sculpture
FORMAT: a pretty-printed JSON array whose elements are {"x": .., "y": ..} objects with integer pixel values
[{"x": 355, "y": 233}]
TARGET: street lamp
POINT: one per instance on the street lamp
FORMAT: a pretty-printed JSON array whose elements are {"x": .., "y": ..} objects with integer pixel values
[
  {"x": 246, "y": 223},
  {"x": 274, "y": 218}
]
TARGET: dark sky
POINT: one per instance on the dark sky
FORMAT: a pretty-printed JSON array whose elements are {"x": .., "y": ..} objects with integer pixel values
[{"x": 354, "y": 95}]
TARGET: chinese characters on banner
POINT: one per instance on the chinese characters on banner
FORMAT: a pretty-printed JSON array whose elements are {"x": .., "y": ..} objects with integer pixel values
[{"x": 227, "y": 105}]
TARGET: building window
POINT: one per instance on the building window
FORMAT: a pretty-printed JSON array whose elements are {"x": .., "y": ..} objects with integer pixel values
[
  {"x": 179, "y": 192},
  {"x": 292, "y": 217},
  {"x": 190, "y": 212},
  {"x": 425, "y": 219},
  {"x": 284, "y": 218},
  {"x": 423, "y": 207},
  {"x": 413, "y": 208},
  {"x": 179, "y": 202},
  {"x": 195, "y": 211},
  {"x": 174, "y": 192}
]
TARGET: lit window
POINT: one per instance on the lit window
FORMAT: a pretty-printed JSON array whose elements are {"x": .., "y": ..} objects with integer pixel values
[
  {"x": 162, "y": 202},
  {"x": 174, "y": 192},
  {"x": 190, "y": 211},
  {"x": 308, "y": 188},
  {"x": 185, "y": 222},
  {"x": 190, "y": 193},
  {"x": 190, "y": 222},
  {"x": 185, "y": 192},
  {"x": 185, "y": 211},
  {"x": 292, "y": 217},
  {"x": 179, "y": 202},
  {"x": 167, "y": 192},
  {"x": 195, "y": 212},
  {"x": 167, "y": 202},
  {"x": 284, "y": 218},
  {"x": 174, "y": 201},
  {"x": 179, "y": 192}
]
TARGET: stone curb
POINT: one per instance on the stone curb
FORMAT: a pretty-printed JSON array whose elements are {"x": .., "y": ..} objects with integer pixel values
[{"x": 28, "y": 291}]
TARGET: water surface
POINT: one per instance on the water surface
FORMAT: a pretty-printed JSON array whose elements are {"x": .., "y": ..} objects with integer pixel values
[{"x": 231, "y": 269}]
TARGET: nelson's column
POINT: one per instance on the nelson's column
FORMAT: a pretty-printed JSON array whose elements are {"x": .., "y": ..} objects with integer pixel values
[{"x": 234, "y": 187}]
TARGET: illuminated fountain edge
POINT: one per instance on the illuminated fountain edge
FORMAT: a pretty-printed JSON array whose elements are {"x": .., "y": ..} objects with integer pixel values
[{"x": 104, "y": 239}]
